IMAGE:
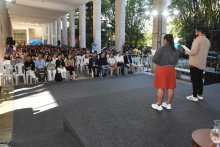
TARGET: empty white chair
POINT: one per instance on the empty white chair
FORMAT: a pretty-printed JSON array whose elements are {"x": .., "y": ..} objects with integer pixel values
[
  {"x": 8, "y": 74},
  {"x": 19, "y": 71}
]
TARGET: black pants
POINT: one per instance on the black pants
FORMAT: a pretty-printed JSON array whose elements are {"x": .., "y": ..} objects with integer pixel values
[
  {"x": 71, "y": 69},
  {"x": 122, "y": 65},
  {"x": 93, "y": 68},
  {"x": 41, "y": 71},
  {"x": 197, "y": 82}
]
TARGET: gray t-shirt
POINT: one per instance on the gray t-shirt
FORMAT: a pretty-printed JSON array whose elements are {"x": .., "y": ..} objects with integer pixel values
[{"x": 166, "y": 56}]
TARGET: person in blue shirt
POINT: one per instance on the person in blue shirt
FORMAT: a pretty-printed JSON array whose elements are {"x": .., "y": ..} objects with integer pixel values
[{"x": 40, "y": 66}]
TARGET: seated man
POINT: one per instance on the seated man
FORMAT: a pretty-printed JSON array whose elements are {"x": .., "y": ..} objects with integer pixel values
[
  {"x": 40, "y": 66},
  {"x": 94, "y": 64},
  {"x": 128, "y": 62},
  {"x": 120, "y": 62},
  {"x": 103, "y": 63}
]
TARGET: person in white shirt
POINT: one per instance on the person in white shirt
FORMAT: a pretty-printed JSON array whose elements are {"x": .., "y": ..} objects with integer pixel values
[
  {"x": 86, "y": 59},
  {"x": 112, "y": 63},
  {"x": 120, "y": 62}
]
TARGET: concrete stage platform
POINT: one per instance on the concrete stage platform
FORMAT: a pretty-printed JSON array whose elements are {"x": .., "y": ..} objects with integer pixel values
[{"x": 109, "y": 112}]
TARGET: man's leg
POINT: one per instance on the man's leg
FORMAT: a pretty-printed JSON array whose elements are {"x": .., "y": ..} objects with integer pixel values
[
  {"x": 38, "y": 74},
  {"x": 200, "y": 82},
  {"x": 194, "y": 79},
  {"x": 103, "y": 69},
  {"x": 123, "y": 69}
]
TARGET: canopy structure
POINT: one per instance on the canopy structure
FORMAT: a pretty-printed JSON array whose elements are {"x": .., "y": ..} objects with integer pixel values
[{"x": 39, "y": 12}]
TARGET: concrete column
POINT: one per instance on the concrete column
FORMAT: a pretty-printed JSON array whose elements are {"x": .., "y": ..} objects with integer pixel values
[
  {"x": 48, "y": 34},
  {"x": 3, "y": 29},
  {"x": 55, "y": 33},
  {"x": 64, "y": 30},
  {"x": 97, "y": 24},
  {"x": 45, "y": 34},
  {"x": 119, "y": 24},
  {"x": 59, "y": 29},
  {"x": 82, "y": 26},
  {"x": 51, "y": 33},
  {"x": 72, "y": 29},
  {"x": 27, "y": 35},
  {"x": 159, "y": 25}
]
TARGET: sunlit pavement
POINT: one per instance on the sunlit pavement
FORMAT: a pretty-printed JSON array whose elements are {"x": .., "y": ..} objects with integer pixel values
[{"x": 6, "y": 116}]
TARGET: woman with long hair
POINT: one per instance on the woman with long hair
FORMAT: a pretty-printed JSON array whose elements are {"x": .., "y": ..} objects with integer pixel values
[
  {"x": 165, "y": 58},
  {"x": 70, "y": 66},
  {"x": 51, "y": 68}
]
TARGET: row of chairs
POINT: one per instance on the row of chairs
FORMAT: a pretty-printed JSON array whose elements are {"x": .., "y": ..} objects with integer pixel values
[{"x": 8, "y": 73}]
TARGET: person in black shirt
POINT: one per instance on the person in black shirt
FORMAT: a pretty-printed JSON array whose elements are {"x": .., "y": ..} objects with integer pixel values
[
  {"x": 94, "y": 64},
  {"x": 104, "y": 65},
  {"x": 29, "y": 66}
]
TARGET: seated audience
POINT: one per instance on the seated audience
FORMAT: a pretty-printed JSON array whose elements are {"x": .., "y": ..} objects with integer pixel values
[
  {"x": 70, "y": 66},
  {"x": 120, "y": 62},
  {"x": 51, "y": 68},
  {"x": 30, "y": 67},
  {"x": 60, "y": 66},
  {"x": 112, "y": 63},
  {"x": 7, "y": 57},
  {"x": 40, "y": 66},
  {"x": 14, "y": 60},
  {"x": 104, "y": 65},
  {"x": 128, "y": 63},
  {"x": 94, "y": 64}
]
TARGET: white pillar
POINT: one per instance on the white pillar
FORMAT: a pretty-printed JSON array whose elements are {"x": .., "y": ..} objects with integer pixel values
[
  {"x": 72, "y": 28},
  {"x": 55, "y": 33},
  {"x": 48, "y": 34},
  {"x": 119, "y": 24},
  {"x": 159, "y": 23},
  {"x": 59, "y": 30},
  {"x": 51, "y": 33},
  {"x": 45, "y": 34},
  {"x": 27, "y": 35},
  {"x": 159, "y": 26},
  {"x": 64, "y": 30},
  {"x": 82, "y": 26},
  {"x": 97, "y": 24}
]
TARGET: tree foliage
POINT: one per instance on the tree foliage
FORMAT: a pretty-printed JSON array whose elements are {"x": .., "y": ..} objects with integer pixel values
[{"x": 194, "y": 13}]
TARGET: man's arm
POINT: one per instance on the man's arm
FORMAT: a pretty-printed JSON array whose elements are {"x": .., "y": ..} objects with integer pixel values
[{"x": 194, "y": 48}]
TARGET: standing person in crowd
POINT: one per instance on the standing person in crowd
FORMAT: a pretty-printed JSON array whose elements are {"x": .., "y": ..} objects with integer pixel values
[
  {"x": 165, "y": 58},
  {"x": 51, "y": 68},
  {"x": 126, "y": 48},
  {"x": 30, "y": 67},
  {"x": 94, "y": 64},
  {"x": 9, "y": 49},
  {"x": 120, "y": 62},
  {"x": 70, "y": 66},
  {"x": 112, "y": 63},
  {"x": 40, "y": 66},
  {"x": 128, "y": 63},
  {"x": 104, "y": 65},
  {"x": 93, "y": 47},
  {"x": 197, "y": 62},
  {"x": 60, "y": 66}
]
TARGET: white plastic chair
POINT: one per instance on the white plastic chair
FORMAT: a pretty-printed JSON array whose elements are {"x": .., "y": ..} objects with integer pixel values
[
  {"x": 19, "y": 71},
  {"x": 78, "y": 61},
  {"x": 8, "y": 73},
  {"x": 139, "y": 63}
]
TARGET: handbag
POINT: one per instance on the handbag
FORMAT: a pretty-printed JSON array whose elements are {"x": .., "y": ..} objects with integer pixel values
[
  {"x": 58, "y": 77},
  {"x": 50, "y": 67}
]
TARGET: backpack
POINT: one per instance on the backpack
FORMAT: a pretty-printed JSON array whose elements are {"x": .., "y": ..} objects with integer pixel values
[{"x": 58, "y": 77}]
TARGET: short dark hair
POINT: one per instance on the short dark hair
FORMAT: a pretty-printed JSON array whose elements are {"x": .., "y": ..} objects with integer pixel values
[{"x": 201, "y": 29}]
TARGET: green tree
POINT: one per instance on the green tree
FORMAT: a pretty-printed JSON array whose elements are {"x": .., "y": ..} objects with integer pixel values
[{"x": 195, "y": 13}]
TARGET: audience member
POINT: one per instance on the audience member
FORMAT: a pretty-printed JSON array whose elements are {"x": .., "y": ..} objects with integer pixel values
[
  {"x": 51, "y": 68},
  {"x": 29, "y": 66},
  {"x": 40, "y": 66},
  {"x": 120, "y": 62},
  {"x": 104, "y": 65},
  {"x": 70, "y": 66},
  {"x": 94, "y": 64},
  {"x": 128, "y": 62},
  {"x": 60, "y": 66}
]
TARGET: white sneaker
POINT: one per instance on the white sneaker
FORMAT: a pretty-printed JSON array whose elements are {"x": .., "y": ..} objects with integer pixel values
[
  {"x": 168, "y": 106},
  {"x": 191, "y": 98},
  {"x": 200, "y": 97},
  {"x": 155, "y": 106}
]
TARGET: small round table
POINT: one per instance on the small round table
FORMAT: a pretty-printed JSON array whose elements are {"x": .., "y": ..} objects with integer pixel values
[{"x": 201, "y": 138}]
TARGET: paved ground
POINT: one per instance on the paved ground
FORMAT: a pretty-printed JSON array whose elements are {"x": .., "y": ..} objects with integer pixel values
[{"x": 51, "y": 114}]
